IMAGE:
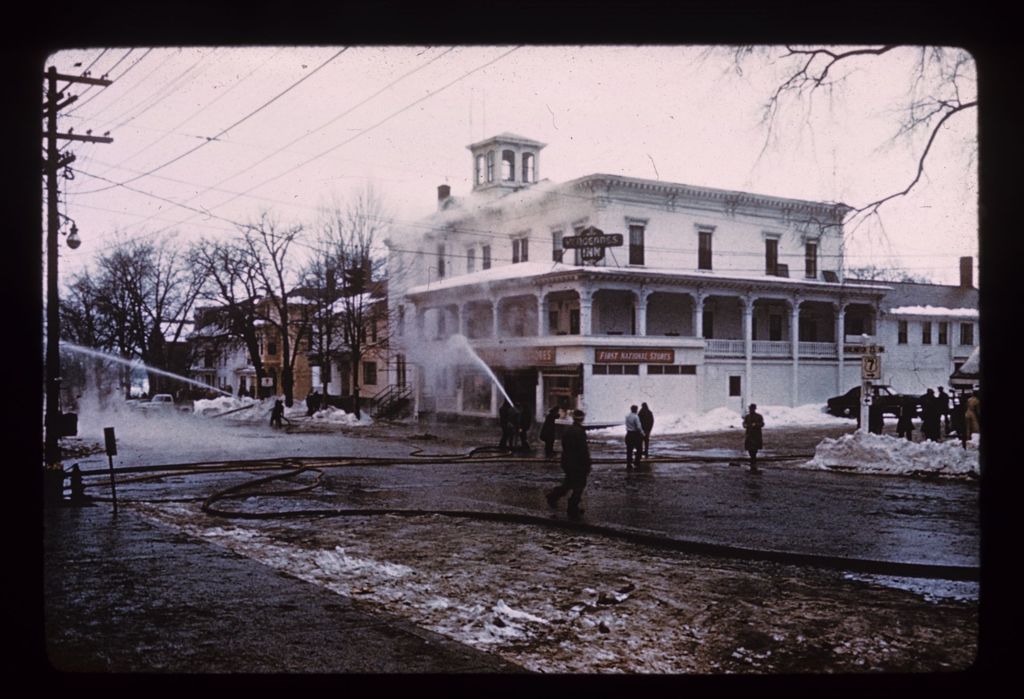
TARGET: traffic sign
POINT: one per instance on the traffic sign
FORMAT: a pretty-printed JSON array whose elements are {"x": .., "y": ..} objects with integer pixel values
[{"x": 871, "y": 367}]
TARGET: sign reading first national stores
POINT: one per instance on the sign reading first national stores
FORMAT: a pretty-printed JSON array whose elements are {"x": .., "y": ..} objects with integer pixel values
[{"x": 634, "y": 356}]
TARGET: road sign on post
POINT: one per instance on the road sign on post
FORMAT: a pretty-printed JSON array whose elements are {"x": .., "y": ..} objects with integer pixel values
[{"x": 871, "y": 367}]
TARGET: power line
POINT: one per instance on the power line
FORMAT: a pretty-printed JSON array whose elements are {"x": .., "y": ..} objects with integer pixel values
[
  {"x": 224, "y": 131},
  {"x": 85, "y": 102},
  {"x": 303, "y": 136},
  {"x": 369, "y": 128}
]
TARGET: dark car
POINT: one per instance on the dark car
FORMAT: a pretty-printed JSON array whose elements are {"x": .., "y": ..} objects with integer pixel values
[{"x": 848, "y": 404}]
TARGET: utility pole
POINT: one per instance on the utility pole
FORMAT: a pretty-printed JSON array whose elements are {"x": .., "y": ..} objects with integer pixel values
[{"x": 52, "y": 166}]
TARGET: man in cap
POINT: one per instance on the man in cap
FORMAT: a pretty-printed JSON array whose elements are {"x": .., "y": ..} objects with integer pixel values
[{"x": 576, "y": 465}]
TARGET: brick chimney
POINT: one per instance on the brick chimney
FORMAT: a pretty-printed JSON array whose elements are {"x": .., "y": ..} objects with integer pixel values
[
  {"x": 967, "y": 272},
  {"x": 443, "y": 192}
]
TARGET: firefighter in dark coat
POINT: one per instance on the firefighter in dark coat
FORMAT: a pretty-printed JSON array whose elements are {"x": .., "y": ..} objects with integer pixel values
[
  {"x": 753, "y": 422},
  {"x": 905, "y": 424},
  {"x": 647, "y": 424},
  {"x": 277, "y": 413},
  {"x": 547, "y": 432},
  {"x": 931, "y": 419},
  {"x": 576, "y": 464},
  {"x": 507, "y": 431},
  {"x": 523, "y": 425}
]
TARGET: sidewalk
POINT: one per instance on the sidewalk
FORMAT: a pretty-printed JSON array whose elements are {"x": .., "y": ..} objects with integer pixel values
[{"x": 125, "y": 596}]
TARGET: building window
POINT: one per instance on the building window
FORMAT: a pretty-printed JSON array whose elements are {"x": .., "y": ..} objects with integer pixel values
[
  {"x": 617, "y": 369},
  {"x": 520, "y": 250},
  {"x": 272, "y": 348},
  {"x": 442, "y": 329},
  {"x": 735, "y": 386},
  {"x": 574, "y": 321},
  {"x": 671, "y": 369},
  {"x": 704, "y": 249},
  {"x": 771, "y": 257},
  {"x": 553, "y": 322},
  {"x": 440, "y": 261},
  {"x": 775, "y": 328},
  {"x": 807, "y": 330},
  {"x": 708, "y": 325},
  {"x": 901, "y": 332},
  {"x": 557, "y": 251},
  {"x": 479, "y": 174},
  {"x": 373, "y": 329},
  {"x": 529, "y": 168},
  {"x": 470, "y": 260},
  {"x": 811, "y": 260},
  {"x": 490, "y": 166},
  {"x": 636, "y": 244},
  {"x": 926, "y": 333},
  {"x": 943, "y": 333},
  {"x": 370, "y": 373},
  {"x": 966, "y": 333},
  {"x": 508, "y": 166},
  {"x": 485, "y": 257}
]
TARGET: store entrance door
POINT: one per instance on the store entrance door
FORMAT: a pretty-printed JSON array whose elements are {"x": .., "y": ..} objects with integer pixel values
[{"x": 521, "y": 386}]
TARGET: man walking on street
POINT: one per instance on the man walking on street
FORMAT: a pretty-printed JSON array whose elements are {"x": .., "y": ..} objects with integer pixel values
[
  {"x": 576, "y": 465},
  {"x": 647, "y": 424},
  {"x": 634, "y": 439}
]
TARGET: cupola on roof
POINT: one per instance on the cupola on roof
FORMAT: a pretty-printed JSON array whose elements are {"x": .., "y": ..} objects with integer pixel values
[{"x": 505, "y": 161}]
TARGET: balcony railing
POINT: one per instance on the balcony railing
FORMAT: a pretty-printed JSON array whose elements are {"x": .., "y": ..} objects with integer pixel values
[
  {"x": 818, "y": 349},
  {"x": 768, "y": 348}
]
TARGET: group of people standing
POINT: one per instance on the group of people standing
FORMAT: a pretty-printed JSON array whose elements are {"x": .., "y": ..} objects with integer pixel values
[
  {"x": 639, "y": 423},
  {"x": 955, "y": 415},
  {"x": 515, "y": 421}
]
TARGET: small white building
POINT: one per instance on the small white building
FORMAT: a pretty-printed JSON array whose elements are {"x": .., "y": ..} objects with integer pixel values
[{"x": 713, "y": 298}]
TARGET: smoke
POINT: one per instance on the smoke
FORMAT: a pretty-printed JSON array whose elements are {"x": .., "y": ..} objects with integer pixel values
[{"x": 455, "y": 352}]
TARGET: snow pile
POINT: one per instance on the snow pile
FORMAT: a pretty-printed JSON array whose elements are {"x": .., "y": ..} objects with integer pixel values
[
  {"x": 337, "y": 416},
  {"x": 872, "y": 453},
  {"x": 721, "y": 419},
  {"x": 221, "y": 405}
]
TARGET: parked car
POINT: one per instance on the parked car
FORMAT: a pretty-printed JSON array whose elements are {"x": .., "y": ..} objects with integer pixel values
[
  {"x": 160, "y": 403},
  {"x": 848, "y": 404}
]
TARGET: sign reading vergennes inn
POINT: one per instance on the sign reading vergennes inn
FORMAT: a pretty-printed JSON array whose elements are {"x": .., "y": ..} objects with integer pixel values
[{"x": 634, "y": 356}]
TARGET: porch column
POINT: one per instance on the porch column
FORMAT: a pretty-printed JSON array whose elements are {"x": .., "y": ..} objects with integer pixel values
[
  {"x": 794, "y": 339},
  {"x": 840, "y": 341},
  {"x": 698, "y": 314},
  {"x": 494, "y": 318},
  {"x": 641, "y": 313},
  {"x": 542, "y": 326},
  {"x": 464, "y": 320},
  {"x": 748, "y": 345},
  {"x": 586, "y": 300}
]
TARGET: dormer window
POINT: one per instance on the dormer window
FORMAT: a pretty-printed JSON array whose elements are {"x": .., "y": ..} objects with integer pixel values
[
  {"x": 529, "y": 168},
  {"x": 508, "y": 166},
  {"x": 490, "y": 166}
]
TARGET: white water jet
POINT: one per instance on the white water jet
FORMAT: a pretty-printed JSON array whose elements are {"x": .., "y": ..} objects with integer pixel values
[
  {"x": 135, "y": 363},
  {"x": 460, "y": 342}
]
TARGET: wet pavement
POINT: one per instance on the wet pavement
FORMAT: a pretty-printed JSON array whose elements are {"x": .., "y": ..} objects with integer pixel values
[{"x": 124, "y": 595}]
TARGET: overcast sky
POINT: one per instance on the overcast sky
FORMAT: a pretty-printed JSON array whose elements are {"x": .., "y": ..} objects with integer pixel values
[{"x": 208, "y": 137}]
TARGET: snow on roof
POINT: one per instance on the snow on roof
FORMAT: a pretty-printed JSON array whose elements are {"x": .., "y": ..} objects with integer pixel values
[
  {"x": 973, "y": 364},
  {"x": 934, "y": 311},
  {"x": 526, "y": 270}
]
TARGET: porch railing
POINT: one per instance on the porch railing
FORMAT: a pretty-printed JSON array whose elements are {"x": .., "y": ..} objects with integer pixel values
[{"x": 768, "y": 348}]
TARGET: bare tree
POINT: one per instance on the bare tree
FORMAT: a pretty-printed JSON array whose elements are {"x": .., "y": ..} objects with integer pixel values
[
  {"x": 233, "y": 284},
  {"x": 268, "y": 246},
  {"x": 941, "y": 86},
  {"x": 884, "y": 274},
  {"x": 348, "y": 237}
]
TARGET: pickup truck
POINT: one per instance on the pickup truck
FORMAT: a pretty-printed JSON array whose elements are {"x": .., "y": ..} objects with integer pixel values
[{"x": 848, "y": 404}]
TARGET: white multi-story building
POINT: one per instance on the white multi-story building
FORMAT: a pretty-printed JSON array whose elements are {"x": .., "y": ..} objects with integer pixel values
[{"x": 714, "y": 298}]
